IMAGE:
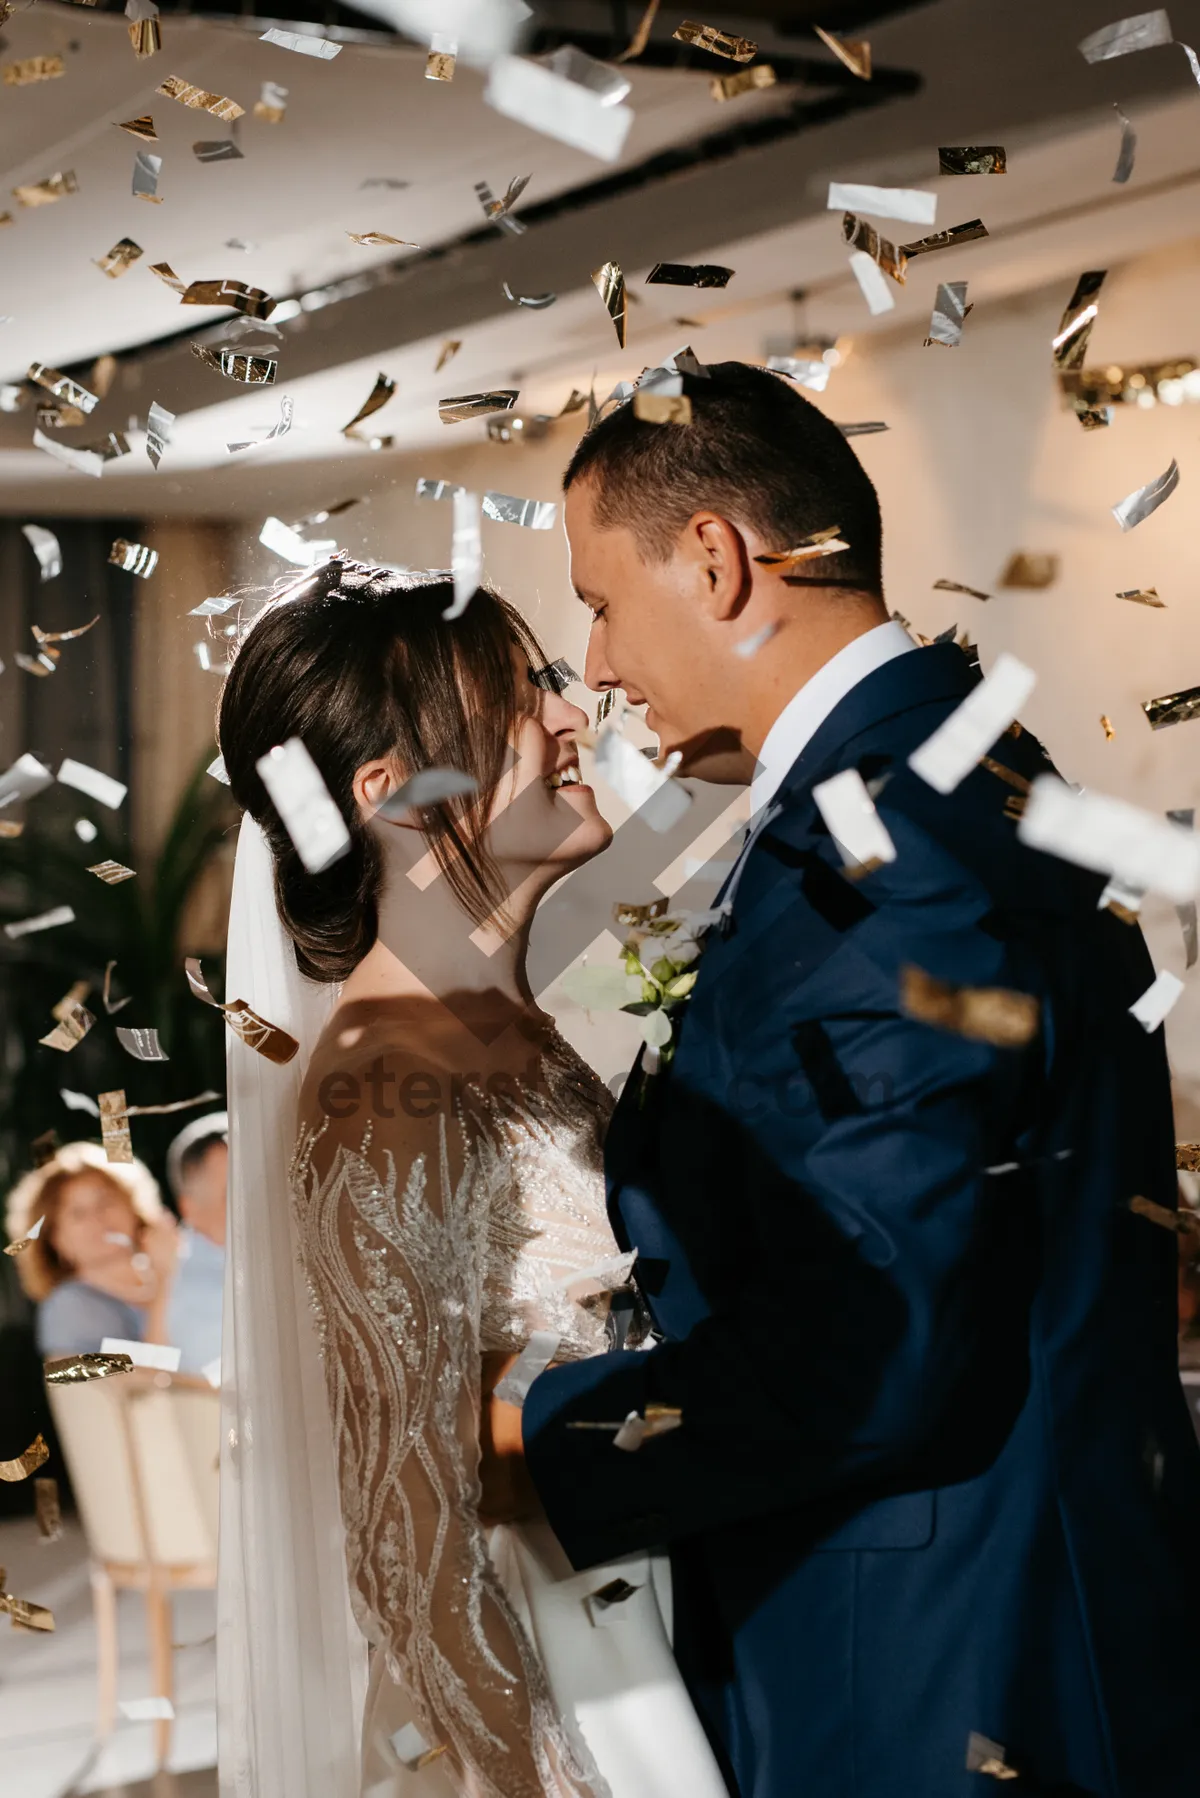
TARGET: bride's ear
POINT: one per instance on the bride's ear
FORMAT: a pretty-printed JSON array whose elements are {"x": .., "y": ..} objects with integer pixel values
[{"x": 375, "y": 782}]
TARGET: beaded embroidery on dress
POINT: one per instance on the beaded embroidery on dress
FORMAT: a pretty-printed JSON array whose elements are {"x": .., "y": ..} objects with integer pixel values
[{"x": 414, "y": 1273}]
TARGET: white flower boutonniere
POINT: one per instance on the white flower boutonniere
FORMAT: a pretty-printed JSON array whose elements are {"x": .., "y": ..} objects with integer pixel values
[{"x": 657, "y": 975}]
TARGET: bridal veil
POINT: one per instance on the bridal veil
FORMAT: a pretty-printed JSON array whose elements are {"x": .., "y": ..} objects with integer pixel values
[{"x": 291, "y": 1662}]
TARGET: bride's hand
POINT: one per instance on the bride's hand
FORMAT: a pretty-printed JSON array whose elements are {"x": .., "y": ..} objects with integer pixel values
[{"x": 508, "y": 1493}]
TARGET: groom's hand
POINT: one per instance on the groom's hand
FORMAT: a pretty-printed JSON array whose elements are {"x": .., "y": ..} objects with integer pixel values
[{"x": 508, "y": 1493}]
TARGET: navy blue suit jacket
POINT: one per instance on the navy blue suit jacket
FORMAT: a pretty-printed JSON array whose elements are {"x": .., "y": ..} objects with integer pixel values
[{"x": 935, "y": 1473}]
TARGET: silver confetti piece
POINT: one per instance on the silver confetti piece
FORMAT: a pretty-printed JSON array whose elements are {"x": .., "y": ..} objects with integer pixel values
[
  {"x": 1141, "y": 31},
  {"x": 534, "y": 1359},
  {"x": 949, "y": 311},
  {"x": 303, "y": 801},
  {"x": 221, "y": 149},
  {"x": 1137, "y": 506},
  {"x": 466, "y": 555},
  {"x": 555, "y": 677},
  {"x": 143, "y": 1045},
  {"x": 533, "y": 514},
  {"x": 134, "y": 558},
  {"x": 477, "y": 405},
  {"x": 279, "y": 429},
  {"x": 428, "y": 786},
  {"x": 1128, "y": 148},
  {"x": 158, "y": 432},
  {"x": 536, "y": 302},
  {"x": 427, "y": 489},
  {"x": 46, "y": 920},
  {"x": 146, "y": 169},
  {"x": 600, "y": 78}
]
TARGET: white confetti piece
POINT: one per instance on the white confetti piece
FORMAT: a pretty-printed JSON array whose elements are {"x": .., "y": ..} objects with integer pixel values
[
  {"x": 45, "y": 547},
  {"x": 147, "y": 1710},
  {"x": 854, "y": 824},
  {"x": 1140, "y": 31},
  {"x": 283, "y": 541},
  {"x": 304, "y": 43},
  {"x": 1112, "y": 837},
  {"x": 466, "y": 554},
  {"x": 534, "y": 1359},
  {"x": 26, "y": 777},
  {"x": 428, "y": 786},
  {"x": 304, "y": 803},
  {"x": 947, "y": 757},
  {"x": 643, "y": 787},
  {"x": 533, "y": 514},
  {"x": 78, "y": 1102},
  {"x": 100, "y": 787},
  {"x": 1157, "y": 1000},
  {"x": 144, "y": 1354},
  {"x": 82, "y": 461},
  {"x": 543, "y": 101},
  {"x": 914, "y": 204},
  {"x": 1139, "y": 504},
  {"x": 875, "y": 286},
  {"x": 142, "y": 1044}
]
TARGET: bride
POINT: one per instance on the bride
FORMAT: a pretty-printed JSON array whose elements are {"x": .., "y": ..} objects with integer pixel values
[{"x": 446, "y": 1204}]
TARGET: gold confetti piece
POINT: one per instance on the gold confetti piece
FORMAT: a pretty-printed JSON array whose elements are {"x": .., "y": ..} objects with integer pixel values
[
  {"x": 957, "y": 587},
  {"x": 663, "y": 408},
  {"x": 987, "y": 1014},
  {"x": 378, "y": 397},
  {"x": 498, "y": 211},
  {"x": 1184, "y": 1223},
  {"x": 458, "y": 409},
  {"x": 728, "y": 87},
  {"x": 685, "y": 274},
  {"x": 375, "y": 238},
  {"x": 1030, "y": 569},
  {"x": 272, "y": 103},
  {"x": 62, "y": 387},
  {"x": 252, "y": 302},
  {"x": 986, "y": 1756},
  {"x": 1144, "y": 596},
  {"x": 41, "y": 665},
  {"x": 72, "y": 1027},
  {"x": 862, "y": 236},
  {"x": 945, "y": 240},
  {"x": 972, "y": 159},
  {"x": 114, "y": 1128},
  {"x": 140, "y": 127},
  {"x": 440, "y": 64},
  {"x": 10, "y": 828},
  {"x": 104, "y": 371},
  {"x": 112, "y": 873},
  {"x": 44, "y": 193},
  {"x": 255, "y": 1032},
  {"x": 854, "y": 52},
  {"x": 447, "y": 353},
  {"x": 49, "y": 1513},
  {"x": 33, "y": 68},
  {"x": 146, "y": 169},
  {"x": 250, "y": 371},
  {"x": 123, "y": 253},
  {"x": 176, "y": 88},
  {"x": 609, "y": 283},
  {"x": 69, "y": 1001},
  {"x": 817, "y": 543},
  {"x": 166, "y": 273},
  {"x": 134, "y": 558},
  {"x": 1187, "y": 1157},
  {"x": 74, "y": 1370},
  {"x": 146, "y": 37},
  {"x": 35, "y": 1456},
  {"x": 1075, "y": 326},
  {"x": 112, "y": 1005},
  {"x": 641, "y": 36},
  {"x": 1172, "y": 708},
  {"x": 24, "y": 1614},
  {"x": 719, "y": 43},
  {"x": 1106, "y": 726}
]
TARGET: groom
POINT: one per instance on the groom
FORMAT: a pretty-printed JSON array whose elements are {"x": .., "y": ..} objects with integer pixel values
[{"x": 934, "y": 1480}]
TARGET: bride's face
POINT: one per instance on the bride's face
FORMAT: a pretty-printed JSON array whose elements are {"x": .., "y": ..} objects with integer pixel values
[{"x": 543, "y": 814}]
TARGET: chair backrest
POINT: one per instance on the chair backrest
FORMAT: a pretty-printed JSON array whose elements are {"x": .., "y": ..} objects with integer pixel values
[{"x": 142, "y": 1451}]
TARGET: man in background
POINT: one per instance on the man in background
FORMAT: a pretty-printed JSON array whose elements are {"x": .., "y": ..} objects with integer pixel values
[{"x": 197, "y": 1169}]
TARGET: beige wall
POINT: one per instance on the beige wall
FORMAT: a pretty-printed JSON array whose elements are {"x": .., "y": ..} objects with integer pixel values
[{"x": 980, "y": 460}]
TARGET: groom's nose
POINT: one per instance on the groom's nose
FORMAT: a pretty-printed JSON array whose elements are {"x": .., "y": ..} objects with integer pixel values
[{"x": 596, "y": 672}]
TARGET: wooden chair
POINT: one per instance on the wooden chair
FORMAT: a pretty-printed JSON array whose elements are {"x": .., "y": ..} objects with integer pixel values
[{"x": 142, "y": 1450}]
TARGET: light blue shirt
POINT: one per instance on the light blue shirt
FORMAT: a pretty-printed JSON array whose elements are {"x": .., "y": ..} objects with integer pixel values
[
  {"x": 194, "y": 1307},
  {"x": 75, "y": 1318}
]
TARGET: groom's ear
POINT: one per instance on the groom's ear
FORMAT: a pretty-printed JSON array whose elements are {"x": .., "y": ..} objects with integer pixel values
[{"x": 719, "y": 554}]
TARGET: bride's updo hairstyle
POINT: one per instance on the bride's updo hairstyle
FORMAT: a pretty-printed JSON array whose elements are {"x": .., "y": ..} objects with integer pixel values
[{"x": 360, "y": 664}]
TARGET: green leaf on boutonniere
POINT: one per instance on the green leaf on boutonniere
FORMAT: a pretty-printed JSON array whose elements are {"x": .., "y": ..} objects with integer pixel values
[
  {"x": 602, "y": 989},
  {"x": 656, "y": 1028}
]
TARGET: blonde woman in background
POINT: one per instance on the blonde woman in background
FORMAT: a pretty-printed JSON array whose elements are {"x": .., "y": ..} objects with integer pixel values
[{"x": 91, "y": 1270}]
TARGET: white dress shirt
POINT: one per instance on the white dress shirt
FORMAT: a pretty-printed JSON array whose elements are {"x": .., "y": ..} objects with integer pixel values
[{"x": 808, "y": 709}]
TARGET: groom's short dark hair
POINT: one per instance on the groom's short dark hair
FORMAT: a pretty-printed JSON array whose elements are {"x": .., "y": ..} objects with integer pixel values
[{"x": 755, "y": 451}]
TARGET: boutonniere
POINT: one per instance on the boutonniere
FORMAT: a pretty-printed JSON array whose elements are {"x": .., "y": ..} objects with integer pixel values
[{"x": 657, "y": 976}]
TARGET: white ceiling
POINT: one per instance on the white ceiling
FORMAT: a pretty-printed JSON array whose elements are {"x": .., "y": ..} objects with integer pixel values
[{"x": 371, "y": 113}]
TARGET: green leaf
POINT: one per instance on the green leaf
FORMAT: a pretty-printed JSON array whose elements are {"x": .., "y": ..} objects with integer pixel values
[
  {"x": 601, "y": 989},
  {"x": 656, "y": 1029},
  {"x": 681, "y": 986}
]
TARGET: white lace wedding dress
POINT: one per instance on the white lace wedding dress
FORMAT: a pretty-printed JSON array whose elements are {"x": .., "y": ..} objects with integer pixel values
[{"x": 484, "y": 1642}]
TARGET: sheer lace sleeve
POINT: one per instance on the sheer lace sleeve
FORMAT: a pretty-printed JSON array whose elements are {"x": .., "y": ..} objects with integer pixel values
[{"x": 396, "y": 1274}]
